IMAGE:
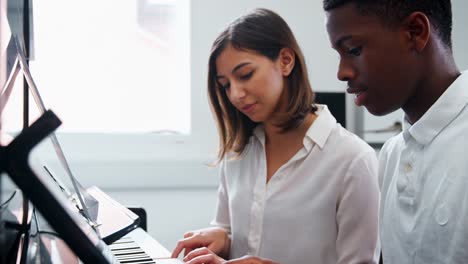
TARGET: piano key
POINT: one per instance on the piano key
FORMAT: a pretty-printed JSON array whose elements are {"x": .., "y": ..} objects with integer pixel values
[
  {"x": 135, "y": 260},
  {"x": 127, "y": 256},
  {"x": 138, "y": 247}
]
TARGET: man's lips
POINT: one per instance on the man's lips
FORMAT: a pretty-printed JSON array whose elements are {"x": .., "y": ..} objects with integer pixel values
[
  {"x": 360, "y": 95},
  {"x": 356, "y": 91}
]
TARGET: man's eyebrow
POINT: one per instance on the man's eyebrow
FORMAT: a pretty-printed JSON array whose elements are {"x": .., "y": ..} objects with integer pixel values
[
  {"x": 340, "y": 41},
  {"x": 235, "y": 69}
]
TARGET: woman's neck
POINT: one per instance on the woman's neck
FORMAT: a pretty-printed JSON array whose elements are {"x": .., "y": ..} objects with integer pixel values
[{"x": 274, "y": 134}]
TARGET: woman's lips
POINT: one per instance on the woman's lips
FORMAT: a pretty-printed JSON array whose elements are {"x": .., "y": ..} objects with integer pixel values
[{"x": 248, "y": 108}]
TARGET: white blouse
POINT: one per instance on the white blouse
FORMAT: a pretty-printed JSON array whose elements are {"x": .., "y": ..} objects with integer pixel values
[{"x": 319, "y": 207}]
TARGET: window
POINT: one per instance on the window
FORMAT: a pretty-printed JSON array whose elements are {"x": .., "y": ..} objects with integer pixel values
[
  {"x": 117, "y": 73},
  {"x": 112, "y": 65}
]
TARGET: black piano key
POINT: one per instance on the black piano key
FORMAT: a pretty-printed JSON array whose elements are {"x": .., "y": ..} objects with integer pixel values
[
  {"x": 126, "y": 250},
  {"x": 139, "y": 257},
  {"x": 123, "y": 242},
  {"x": 148, "y": 260},
  {"x": 125, "y": 253},
  {"x": 133, "y": 260}
]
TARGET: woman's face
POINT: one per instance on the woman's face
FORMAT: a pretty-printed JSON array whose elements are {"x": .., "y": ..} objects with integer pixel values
[{"x": 254, "y": 84}]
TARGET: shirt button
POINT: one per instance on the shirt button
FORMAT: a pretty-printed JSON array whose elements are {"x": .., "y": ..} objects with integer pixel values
[
  {"x": 408, "y": 168},
  {"x": 442, "y": 214},
  {"x": 402, "y": 183}
]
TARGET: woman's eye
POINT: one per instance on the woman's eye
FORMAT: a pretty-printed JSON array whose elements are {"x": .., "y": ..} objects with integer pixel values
[
  {"x": 225, "y": 86},
  {"x": 355, "y": 51},
  {"x": 246, "y": 76}
]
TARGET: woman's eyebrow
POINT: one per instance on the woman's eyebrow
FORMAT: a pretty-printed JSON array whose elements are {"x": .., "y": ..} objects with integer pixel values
[
  {"x": 239, "y": 66},
  {"x": 235, "y": 69}
]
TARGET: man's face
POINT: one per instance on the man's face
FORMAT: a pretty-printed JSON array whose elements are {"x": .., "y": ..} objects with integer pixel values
[{"x": 376, "y": 61}]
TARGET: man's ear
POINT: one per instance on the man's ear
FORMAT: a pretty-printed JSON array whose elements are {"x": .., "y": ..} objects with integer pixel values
[
  {"x": 287, "y": 60},
  {"x": 418, "y": 30}
]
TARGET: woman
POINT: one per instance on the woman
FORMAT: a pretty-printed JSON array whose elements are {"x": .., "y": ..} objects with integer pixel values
[{"x": 295, "y": 186}]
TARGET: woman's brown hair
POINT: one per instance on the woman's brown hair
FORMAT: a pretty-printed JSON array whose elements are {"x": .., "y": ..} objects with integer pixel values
[{"x": 266, "y": 33}]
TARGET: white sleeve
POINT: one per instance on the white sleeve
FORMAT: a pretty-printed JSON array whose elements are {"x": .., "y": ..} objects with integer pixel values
[
  {"x": 358, "y": 212},
  {"x": 222, "y": 216}
]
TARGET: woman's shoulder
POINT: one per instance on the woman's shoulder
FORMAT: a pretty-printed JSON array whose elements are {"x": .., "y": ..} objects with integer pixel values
[
  {"x": 353, "y": 153},
  {"x": 233, "y": 157},
  {"x": 337, "y": 137},
  {"x": 347, "y": 141}
]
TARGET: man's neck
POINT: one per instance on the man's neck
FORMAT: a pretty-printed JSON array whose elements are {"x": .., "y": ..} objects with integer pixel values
[{"x": 435, "y": 82}]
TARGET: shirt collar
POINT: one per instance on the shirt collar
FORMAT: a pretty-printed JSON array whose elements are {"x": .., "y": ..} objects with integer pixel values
[
  {"x": 441, "y": 113},
  {"x": 259, "y": 133},
  {"x": 317, "y": 133},
  {"x": 321, "y": 128}
]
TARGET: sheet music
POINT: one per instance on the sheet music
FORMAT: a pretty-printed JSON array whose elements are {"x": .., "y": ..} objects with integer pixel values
[{"x": 8, "y": 87}]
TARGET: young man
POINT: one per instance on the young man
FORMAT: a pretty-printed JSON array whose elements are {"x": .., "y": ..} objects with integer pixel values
[{"x": 398, "y": 54}]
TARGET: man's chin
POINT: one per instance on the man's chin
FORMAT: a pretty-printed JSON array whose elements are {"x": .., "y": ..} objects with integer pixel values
[{"x": 379, "y": 111}]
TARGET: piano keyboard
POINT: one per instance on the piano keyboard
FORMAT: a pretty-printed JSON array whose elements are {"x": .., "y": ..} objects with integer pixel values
[
  {"x": 138, "y": 247},
  {"x": 126, "y": 250}
]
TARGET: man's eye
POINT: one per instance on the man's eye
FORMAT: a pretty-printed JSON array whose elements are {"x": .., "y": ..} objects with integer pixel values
[
  {"x": 355, "y": 51},
  {"x": 246, "y": 76}
]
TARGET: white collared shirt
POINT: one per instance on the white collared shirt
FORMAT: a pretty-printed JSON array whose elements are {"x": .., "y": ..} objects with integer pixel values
[
  {"x": 319, "y": 207},
  {"x": 424, "y": 180}
]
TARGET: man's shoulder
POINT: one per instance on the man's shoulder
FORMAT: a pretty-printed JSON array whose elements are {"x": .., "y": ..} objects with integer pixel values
[
  {"x": 391, "y": 148},
  {"x": 391, "y": 145}
]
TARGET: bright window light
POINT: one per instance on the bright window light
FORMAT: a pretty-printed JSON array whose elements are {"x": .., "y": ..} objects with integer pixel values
[{"x": 113, "y": 66}]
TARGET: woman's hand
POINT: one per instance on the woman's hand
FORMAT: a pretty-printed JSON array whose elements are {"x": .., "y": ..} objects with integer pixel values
[
  {"x": 250, "y": 260},
  {"x": 215, "y": 239},
  {"x": 203, "y": 256}
]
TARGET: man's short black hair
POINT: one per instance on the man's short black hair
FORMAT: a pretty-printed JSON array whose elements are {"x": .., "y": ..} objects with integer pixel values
[{"x": 439, "y": 12}]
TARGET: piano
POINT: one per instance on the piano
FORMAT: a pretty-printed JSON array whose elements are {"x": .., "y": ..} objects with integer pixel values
[
  {"x": 48, "y": 227},
  {"x": 52, "y": 229},
  {"x": 47, "y": 247}
]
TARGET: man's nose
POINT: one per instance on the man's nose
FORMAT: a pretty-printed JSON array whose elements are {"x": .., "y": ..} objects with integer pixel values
[{"x": 346, "y": 71}]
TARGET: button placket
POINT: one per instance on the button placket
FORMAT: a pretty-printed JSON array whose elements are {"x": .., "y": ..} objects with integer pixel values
[
  {"x": 257, "y": 211},
  {"x": 256, "y": 220},
  {"x": 406, "y": 177}
]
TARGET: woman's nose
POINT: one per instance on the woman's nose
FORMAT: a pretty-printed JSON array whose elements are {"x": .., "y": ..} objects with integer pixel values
[{"x": 237, "y": 91}]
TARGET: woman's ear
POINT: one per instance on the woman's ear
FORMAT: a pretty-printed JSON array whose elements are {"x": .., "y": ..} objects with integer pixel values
[{"x": 287, "y": 59}]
